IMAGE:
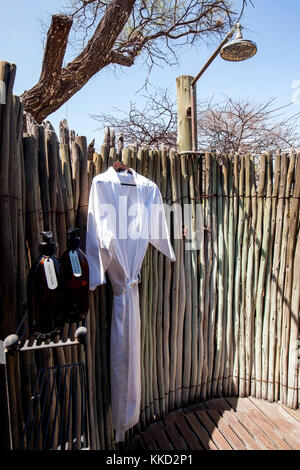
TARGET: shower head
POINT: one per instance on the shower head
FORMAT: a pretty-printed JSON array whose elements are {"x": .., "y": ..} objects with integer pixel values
[{"x": 238, "y": 49}]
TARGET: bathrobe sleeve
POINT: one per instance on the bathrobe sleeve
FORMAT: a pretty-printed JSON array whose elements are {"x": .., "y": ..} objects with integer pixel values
[
  {"x": 97, "y": 241},
  {"x": 159, "y": 232}
]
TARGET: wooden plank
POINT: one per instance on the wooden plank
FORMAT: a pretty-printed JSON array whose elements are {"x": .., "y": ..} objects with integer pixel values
[
  {"x": 294, "y": 413},
  {"x": 256, "y": 431},
  {"x": 171, "y": 418},
  {"x": 193, "y": 408},
  {"x": 212, "y": 430},
  {"x": 153, "y": 446},
  {"x": 218, "y": 404},
  {"x": 201, "y": 433},
  {"x": 140, "y": 443},
  {"x": 176, "y": 440},
  {"x": 243, "y": 408},
  {"x": 228, "y": 413},
  {"x": 187, "y": 433},
  {"x": 231, "y": 423},
  {"x": 289, "y": 428},
  {"x": 269, "y": 429},
  {"x": 240, "y": 404},
  {"x": 136, "y": 444},
  {"x": 151, "y": 432},
  {"x": 226, "y": 430},
  {"x": 163, "y": 441},
  {"x": 239, "y": 429}
]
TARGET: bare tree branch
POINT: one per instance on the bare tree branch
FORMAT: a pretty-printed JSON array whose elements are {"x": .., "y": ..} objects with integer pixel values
[
  {"x": 53, "y": 56},
  {"x": 154, "y": 125},
  {"x": 246, "y": 126},
  {"x": 49, "y": 94},
  {"x": 118, "y": 32},
  {"x": 232, "y": 125}
]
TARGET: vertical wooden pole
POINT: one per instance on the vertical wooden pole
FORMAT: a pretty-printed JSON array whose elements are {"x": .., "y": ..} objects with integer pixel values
[
  {"x": 84, "y": 189},
  {"x": 213, "y": 279},
  {"x": 167, "y": 197},
  {"x": 184, "y": 358},
  {"x": 206, "y": 267},
  {"x": 239, "y": 172},
  {"x": 184, "y": 127},
  {"x": 232, "y": 190},
  {"x": 174, "y": 291},
  {"x": 287, "y": 314}
]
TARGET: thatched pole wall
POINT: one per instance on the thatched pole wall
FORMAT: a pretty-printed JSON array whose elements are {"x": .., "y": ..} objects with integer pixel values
[{"x": 222, "y": 320}]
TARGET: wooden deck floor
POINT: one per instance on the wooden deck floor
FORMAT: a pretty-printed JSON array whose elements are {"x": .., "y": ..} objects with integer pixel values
[{"x": 224, "y": 424}]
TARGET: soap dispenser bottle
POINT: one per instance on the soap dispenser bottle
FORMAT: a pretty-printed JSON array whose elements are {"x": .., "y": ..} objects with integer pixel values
[
  {"x": 75, "y": 279},
  {"x": 44, "y": 291}
]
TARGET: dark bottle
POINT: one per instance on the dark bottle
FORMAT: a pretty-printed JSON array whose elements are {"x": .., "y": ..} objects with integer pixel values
[
  {"x": 76, "y": 279},
  {"x": 44, "y": 291}
]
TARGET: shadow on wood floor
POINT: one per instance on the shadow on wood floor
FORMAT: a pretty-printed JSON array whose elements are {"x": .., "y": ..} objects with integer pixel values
[{"x": 224, "y": 424}]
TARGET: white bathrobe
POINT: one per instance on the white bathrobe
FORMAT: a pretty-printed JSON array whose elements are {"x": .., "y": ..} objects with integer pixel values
[{"x": 122, "y": 220}]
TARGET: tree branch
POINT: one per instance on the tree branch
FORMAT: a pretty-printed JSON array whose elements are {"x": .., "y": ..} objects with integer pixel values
[
  {"x": 48, "y": 94},
  {"x": 56, "y": 44},
  {"x": 118, "y": 31},
  {"x": 121, "y": 59},
  {"x": 99, "y": 47}
]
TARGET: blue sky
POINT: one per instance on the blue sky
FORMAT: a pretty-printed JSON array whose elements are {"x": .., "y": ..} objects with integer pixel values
[{"x": 272, "y": 24}]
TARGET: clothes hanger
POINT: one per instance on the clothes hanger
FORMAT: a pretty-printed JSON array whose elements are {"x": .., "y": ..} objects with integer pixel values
[{"x": 120, "y": 166}]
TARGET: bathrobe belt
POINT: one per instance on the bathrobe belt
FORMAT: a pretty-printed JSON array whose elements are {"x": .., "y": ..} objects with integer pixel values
[{"x": 119, "y": 290}]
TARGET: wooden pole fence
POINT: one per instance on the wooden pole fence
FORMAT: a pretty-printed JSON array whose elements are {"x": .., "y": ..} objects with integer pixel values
[{"x": 223, "y": 320}]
